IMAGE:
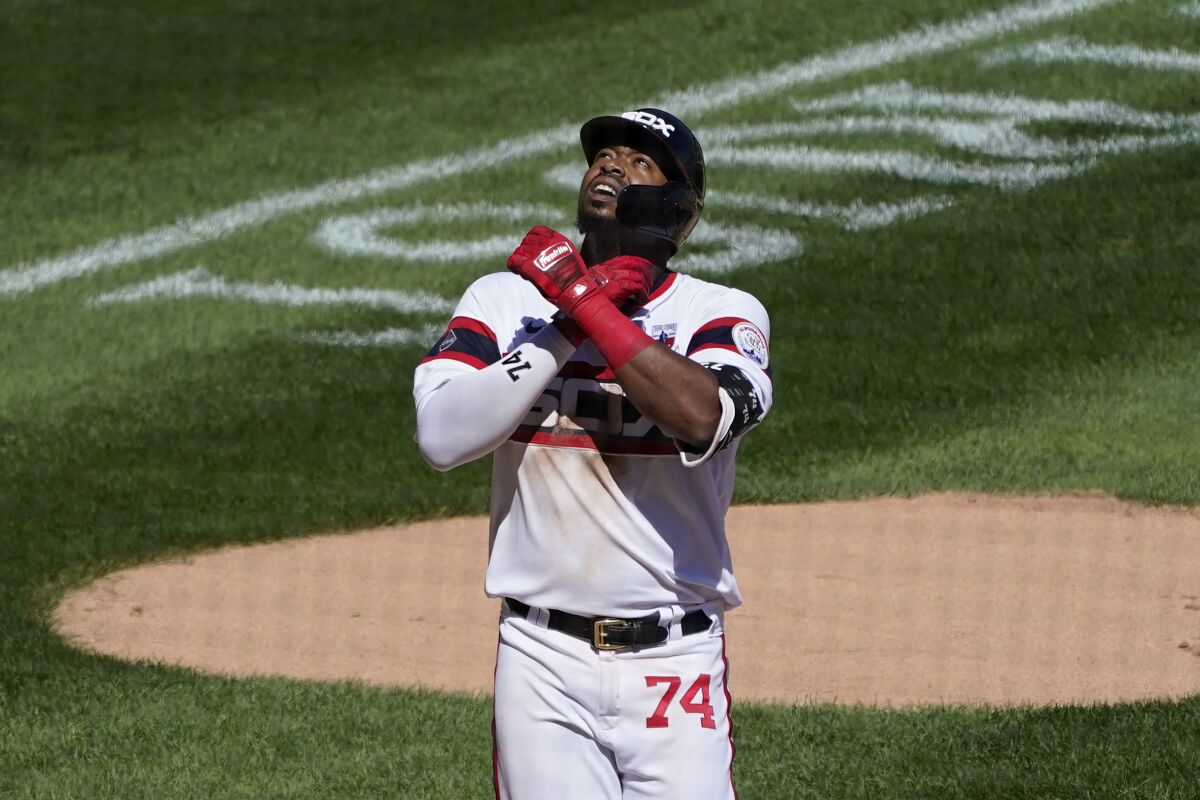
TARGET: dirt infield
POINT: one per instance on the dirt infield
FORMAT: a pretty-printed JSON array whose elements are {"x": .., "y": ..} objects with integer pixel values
[{"x": 939, "y": 599}]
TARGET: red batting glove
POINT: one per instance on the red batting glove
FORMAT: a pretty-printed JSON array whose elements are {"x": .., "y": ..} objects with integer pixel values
[
  {"x": 626, "y": 281},
  {"x": 549, "y": 261}
]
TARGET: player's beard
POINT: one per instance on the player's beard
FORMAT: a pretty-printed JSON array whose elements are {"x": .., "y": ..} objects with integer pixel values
[
  {"x": 601, "y": 235},
  {"x": 590, "y": 223}
]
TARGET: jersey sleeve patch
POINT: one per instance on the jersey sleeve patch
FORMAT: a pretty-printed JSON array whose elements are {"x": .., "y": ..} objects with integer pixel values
[
  {"x": 468, "y": 341},
  {"x": 734, "y": 334}
]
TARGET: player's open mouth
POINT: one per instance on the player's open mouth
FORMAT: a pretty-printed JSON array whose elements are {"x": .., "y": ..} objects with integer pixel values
[{"x": 604, "y": 190}]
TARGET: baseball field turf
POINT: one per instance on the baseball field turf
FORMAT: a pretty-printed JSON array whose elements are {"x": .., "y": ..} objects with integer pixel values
[{"x": 230, "y": 229}]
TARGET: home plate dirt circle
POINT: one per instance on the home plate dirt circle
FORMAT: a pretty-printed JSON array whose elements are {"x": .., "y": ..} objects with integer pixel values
[{"x": 963, "y": 599}]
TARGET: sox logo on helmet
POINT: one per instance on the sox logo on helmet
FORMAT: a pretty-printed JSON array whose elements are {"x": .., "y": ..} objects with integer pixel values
[{"x": 656, "y": 123}]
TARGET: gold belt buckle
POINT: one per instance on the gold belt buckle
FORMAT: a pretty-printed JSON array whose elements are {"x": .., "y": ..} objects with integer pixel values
[{"x": 600, "y": 634}]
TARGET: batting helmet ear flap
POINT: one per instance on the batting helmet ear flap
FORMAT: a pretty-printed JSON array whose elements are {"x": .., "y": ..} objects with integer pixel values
[{"x": 668, "y": 212}]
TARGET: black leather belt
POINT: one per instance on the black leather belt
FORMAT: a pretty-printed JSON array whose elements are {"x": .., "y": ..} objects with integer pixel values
[{"x": 610, "y": 633}]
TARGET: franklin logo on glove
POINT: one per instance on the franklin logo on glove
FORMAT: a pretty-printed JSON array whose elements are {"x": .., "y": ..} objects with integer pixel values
[{"x": 548, "y": 257}]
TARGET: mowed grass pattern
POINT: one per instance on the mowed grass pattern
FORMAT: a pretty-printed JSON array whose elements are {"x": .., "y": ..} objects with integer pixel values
[{"x": 1034, "y": 340}]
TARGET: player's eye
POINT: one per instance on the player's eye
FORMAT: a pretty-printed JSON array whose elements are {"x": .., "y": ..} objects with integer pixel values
[{"x": 642, "y": 161}]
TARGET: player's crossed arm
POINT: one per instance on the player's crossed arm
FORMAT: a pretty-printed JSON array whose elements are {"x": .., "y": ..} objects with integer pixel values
[
  {"x": 469, "y": 397},
  {"x": 679, "y": 395}
]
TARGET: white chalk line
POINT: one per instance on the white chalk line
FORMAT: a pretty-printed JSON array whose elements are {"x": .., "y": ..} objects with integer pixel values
[
  {"x": 388, "y": 337},
  {"x": 1191, "y": 9},
  {"x": 903, "y": 96},
  {"x": 998, "y": 137},
  {"x": 689, "y": 102},
  {"x": 742, "y": 246},
  {"x": 898, "y": 163},
  {"x": 360, "y": 234},
  {"x": 1068, "y": 50},
  {"x": 855, "y": 216},
  {"x": 924, "y": 41},
  {"x": 193, "y": 231},
  {"x": 351, "y": 237},
  {"x": 995, "y": 134},
  {"x": 199, "y": 282}
]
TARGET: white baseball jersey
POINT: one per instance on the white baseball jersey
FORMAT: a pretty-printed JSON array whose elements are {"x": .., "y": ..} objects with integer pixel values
[{"x": 594, "y": 509}]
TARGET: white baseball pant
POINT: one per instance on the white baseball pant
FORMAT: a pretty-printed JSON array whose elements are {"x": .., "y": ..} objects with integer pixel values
[{"x": 573, "y": 722}]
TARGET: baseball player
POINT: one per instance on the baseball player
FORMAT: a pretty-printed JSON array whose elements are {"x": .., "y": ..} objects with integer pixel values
[{"x": 612, "y": 393}]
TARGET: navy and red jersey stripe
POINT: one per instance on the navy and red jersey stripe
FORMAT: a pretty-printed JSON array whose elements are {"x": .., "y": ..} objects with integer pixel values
[
  {"x": 466, "y": 340},
  {"x": 715, "y": 333},
  {"x": 662, "y": 284}
]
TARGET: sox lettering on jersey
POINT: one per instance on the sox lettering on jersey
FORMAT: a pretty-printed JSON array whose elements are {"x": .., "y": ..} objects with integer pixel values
[{"x": 591, "y": 414}]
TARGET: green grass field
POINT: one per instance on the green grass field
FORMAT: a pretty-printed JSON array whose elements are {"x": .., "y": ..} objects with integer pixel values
[{"x": 1036, "y": 331}]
